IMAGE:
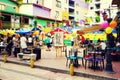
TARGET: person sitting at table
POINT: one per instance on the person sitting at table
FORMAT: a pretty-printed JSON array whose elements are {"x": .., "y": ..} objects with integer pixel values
[
  {"x": 118, "y": 47},
  {"x": 98, "y": 46},
  {"x": 89, "y": 44},
  {"x": 117, "y": 43},
  {"x": 103, "y": 48},
  {"x": 99, "y": 40}
]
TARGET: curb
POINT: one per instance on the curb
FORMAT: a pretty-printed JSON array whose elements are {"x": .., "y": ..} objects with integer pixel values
[{"x": 96, "y": 77}]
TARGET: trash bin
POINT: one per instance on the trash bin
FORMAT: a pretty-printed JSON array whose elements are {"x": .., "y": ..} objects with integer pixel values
[{"x": 37, "y": 51}]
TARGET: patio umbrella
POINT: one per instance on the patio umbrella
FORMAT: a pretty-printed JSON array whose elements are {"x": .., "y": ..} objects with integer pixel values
[
  {"x": 59, "y": 30},
  {"x": 23, "y": 31},
  {"x": 34, "y": 29}
]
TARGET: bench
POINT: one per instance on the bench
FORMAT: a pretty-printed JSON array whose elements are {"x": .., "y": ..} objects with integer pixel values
[{"x": 21, "y": 56}]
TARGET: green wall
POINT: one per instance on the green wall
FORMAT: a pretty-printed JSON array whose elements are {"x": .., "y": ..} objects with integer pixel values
[
  {"x": 9, "y": 7},
  {"x": 8, "y": 2},
  {"x": 43, "y": 22}
]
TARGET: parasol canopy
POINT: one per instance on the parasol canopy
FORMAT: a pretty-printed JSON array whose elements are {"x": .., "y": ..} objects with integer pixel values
[
  {"x": 34, "y": 29},
  {"x": 23, "y": 31},
  {"x": 59, "y": 30}
]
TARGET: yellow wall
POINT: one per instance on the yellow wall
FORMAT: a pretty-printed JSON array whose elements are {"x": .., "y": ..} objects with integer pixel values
[
  {"x": 65, "y": 15},
  {"x": 97, "y": 36},
  {"x": 26, "y": 9}
]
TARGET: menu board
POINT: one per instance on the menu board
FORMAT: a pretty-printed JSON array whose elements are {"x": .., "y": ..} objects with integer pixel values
[{"x": 58, "y": 39}]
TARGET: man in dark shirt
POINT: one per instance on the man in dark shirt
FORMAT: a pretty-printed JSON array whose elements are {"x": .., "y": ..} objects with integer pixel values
[
  {"x": 9, "y": 44},
  {"x": 1, "y": 42}
]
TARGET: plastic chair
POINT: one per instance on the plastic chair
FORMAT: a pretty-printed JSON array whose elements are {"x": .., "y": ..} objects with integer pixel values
[
  {"x": 70, "y": 57},
  {"x": 94, "y": 61},
  {"x": 79, "y": 57}
]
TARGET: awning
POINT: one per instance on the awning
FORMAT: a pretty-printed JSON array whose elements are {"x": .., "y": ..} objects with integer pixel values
[
  {"x": 59, "y": 30},
  {"x": 23, "y": 31}
]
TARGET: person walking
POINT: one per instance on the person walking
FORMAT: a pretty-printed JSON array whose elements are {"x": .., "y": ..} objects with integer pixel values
[
  {"x": 9, "y": 44},
  {"x": 16, "y": 48},
  {"x": 48, "y": 43}
]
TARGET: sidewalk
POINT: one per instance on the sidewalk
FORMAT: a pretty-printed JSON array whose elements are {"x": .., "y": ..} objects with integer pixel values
[{"x": 49, "y": 61}]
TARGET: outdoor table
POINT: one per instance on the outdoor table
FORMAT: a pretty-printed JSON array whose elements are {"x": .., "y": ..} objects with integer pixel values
[{"x": 94, "y": 53}]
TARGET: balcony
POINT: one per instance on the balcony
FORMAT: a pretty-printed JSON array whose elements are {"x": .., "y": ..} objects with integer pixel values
[
  {"x": 71, "y": 3},
  {"x": 71, "y": 13},
  {"x": 71, "y": 17},
  {"x": 71, "y": 10},
  {"x": 97, "y": 6}
]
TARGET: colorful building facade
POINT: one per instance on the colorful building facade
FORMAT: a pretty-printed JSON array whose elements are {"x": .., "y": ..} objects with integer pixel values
[
  {"x": 44, "y": 12},
  {"x": 12, "y": 19}
]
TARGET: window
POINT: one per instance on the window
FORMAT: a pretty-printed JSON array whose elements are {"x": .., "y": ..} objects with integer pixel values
[
  {"x": 48, "y": 24},
  {"x": 77, "y": 4},
  {"x": 97, "y": 0},
  {"x": 2, "y": 7},
  {"x": 6, "y": 17},
  {"x": 77, "y": 12},
  {"x": 6, "y": 22},
  {"x": 56, "y": 14},
  {"x": 26, "y": 20},
  {"x": 97, "y": 6},
  {"x": 91, "y": 8},
  {"x": 58, "y": 4},
  {"x": 65, "y": 9}
]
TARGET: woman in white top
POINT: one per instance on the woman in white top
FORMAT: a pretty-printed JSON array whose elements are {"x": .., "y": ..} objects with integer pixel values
[
  {"x": 23, "y": 43},
  {"x": 30, "y": 41}
]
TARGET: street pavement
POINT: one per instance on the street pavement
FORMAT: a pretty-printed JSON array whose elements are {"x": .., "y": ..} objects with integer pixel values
[
  {"x": 9, "y": 71},
  {"x": 49, "y": 62}
]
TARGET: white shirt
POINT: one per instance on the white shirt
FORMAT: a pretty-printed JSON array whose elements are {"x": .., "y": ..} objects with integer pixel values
[
  {"x": 103, "y": 45},
  {"x": 50, "y": 40},
  {"x": 117, "y": 44},
  {"x": 72, "y": 39},
  {"x": 23, "y": 42},
  {"x": 30, "y": 39}
]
